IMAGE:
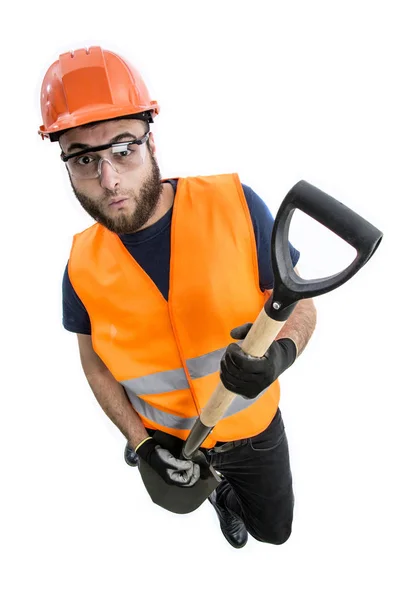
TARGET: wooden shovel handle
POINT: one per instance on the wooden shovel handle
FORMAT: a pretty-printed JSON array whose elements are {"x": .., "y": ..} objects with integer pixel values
[{"x": 256, "y": 343}]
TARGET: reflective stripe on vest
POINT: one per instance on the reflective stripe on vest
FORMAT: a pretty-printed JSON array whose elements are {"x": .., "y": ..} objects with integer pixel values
[
  {"x": 156, "y": 415},
  {"x": 169, "y": 381},
  {"x": 165, "y": 419}
]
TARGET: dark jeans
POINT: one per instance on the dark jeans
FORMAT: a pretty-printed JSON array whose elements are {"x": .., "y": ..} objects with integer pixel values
[{"x": 257, "y": 484}]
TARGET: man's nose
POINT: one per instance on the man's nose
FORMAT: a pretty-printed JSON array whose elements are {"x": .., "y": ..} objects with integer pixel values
[{"x": 109, "y": 178}]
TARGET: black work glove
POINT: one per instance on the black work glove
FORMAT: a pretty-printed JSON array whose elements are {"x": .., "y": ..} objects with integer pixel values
[
  {"x": 248, "y": 376},
  {"x": 174, "y": 471}
]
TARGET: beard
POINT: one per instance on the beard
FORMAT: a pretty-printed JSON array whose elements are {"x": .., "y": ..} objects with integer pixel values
[{"x": 146, "y": 201}]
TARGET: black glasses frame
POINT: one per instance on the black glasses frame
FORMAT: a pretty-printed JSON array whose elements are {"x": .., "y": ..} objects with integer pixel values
[{"x": 117, "y": 145}]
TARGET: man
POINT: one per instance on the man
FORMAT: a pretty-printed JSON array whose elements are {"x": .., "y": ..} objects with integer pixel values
[{"x": 171, "y": 272}]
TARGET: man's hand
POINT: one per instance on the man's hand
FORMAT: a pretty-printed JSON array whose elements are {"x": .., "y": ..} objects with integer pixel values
[
  {"x": 247, "y": 375},
  {"x": 183, "y": 473}
]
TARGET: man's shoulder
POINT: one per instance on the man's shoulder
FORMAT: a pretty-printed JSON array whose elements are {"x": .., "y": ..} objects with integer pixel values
[
  {"x": 96, "y": 230},
  {"x": 211, "y": 179},
  {"x": 215, "y": 179},
  {"x": 91, "y": 228},
  {"x": 202, "y": 182}
]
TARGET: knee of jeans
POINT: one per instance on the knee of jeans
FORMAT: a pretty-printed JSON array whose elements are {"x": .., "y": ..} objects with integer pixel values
[{"x": 277, "y": 535}]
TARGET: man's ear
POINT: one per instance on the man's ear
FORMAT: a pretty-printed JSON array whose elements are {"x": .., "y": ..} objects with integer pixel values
[{"x": 152, "y": 143}]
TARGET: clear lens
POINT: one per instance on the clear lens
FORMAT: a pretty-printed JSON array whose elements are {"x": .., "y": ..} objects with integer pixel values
[{"x": 123, "y": 157}]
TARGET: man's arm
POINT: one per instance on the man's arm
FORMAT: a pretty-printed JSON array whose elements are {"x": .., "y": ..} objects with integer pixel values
[
  {"x": 113, "y": 400},
  {"x": 301, "y": 324},
  {"x": 110, "y": 394}
]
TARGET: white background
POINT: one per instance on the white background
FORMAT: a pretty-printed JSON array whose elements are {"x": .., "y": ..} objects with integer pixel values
[{"x": 278, "y": 92}]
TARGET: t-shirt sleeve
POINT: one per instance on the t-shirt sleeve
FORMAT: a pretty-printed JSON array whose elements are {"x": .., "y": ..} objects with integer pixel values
[
  {"x": 75, "y": 315},
  {"x": 263, "y": 223}
]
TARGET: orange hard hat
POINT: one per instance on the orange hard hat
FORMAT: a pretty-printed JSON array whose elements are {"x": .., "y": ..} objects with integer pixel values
[{"x": 90, "y": 85}]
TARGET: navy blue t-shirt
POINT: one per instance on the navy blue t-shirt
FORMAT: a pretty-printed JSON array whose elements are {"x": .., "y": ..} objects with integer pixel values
[{"x": 151, "y": 248}]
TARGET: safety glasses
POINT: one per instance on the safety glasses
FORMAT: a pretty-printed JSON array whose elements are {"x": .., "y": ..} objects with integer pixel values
[{"x": 122, "y": 156}]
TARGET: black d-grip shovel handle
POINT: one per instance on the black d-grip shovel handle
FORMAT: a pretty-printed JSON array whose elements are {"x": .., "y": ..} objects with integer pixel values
[
  {"x": 289, "y": 288},
  {"x": 348, "y": 225}
]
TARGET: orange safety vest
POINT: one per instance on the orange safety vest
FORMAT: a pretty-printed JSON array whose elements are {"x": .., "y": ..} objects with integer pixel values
[{"x": 167, "y": 354}]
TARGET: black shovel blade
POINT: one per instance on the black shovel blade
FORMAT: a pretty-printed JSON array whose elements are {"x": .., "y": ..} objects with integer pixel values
[{"x": 179, "y": 500}]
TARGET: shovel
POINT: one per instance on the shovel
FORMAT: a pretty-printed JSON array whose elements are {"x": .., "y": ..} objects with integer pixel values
[{"x": 288, "y": 289}]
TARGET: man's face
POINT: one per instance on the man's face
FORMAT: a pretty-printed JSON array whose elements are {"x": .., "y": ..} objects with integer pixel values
[{"x": 141, "y": 187}]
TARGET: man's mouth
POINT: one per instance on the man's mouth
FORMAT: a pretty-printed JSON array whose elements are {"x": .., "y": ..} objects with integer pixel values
[{"x": 118, "y": 201}]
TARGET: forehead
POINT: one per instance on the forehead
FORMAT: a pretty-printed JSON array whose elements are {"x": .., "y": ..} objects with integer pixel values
[{"x": 101, "y": 133}]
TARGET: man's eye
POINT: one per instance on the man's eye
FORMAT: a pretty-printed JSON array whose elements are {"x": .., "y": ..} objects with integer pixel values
[
  {"x": 84, "y": 160},
  {"x": 125, "y": 153}
]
